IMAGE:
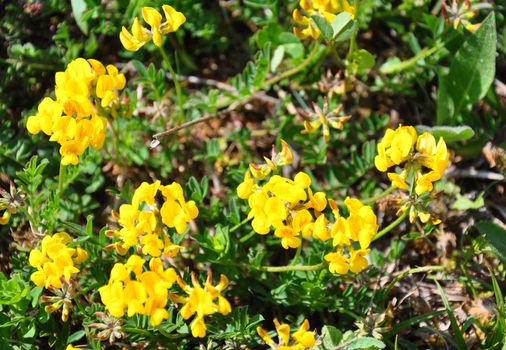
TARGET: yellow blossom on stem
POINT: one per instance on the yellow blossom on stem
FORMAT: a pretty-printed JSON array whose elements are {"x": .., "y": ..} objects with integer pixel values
[
  {"x": 328, "y": 9},
  {"x": 54, "y": 261},
  {"x": 72, "y": 120},
  {"x": 302, "y": 338},
  {"x": 142, "y": 220},
  {"x": 202, "y": 301},
  {"x": 424, "y": 161},
  {"x": 140, "y": 35},
  {"x": 138, "y": 291}
]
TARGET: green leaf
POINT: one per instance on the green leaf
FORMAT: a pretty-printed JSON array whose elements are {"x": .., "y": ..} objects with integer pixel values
[
  {"x": 13, "y": 290},
  {"x": 459, "y": 339},
  {"x": 363, "y": 60},
  {"x": 473, "y": 69},
  {"x": 448, "y": 133},
  {"x": 324, "y": 27},
  {"x": 331, "y": 337},
  {"x": 140, "y": 68},
  {"x": 464, "y": 203},
  {"x": 76, "y": 336},
  {"x": 347, "y": 32},
  {"x": 339, "y": 22},
  {"x": 78, "y": 10},
  {"x": 277, "y": 57},
  {"x": 496, "y": 237},
  {"x": 365, "y": 343}
]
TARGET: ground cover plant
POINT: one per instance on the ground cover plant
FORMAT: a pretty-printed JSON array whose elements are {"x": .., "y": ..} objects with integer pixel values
[{"x": 257, "y": 174}]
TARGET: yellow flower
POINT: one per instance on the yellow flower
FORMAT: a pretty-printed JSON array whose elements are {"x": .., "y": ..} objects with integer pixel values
[
  {"x": 145, "y": 294},
  {"x": 395, "y": 147},
  {"x": 337, "y": 263},
  {"x": 4, "y": 219},
  {"x": 288, "y": 237},
  {"x": 328, "y": 9},
  {"x": 140, "y": 35},
  {"x": 362, "y": 222},
  {"x": 247, "y": 187},
  {"x": 48, "y": 111},
  {"x": 55, "y": 262},
  {"x": 71, "y": 119},
  {"x": 418, "y": 152},
  {"x": 303, "y": 338},
  {"x": 142, "y": 221},
  {"x": 201, "y": 302}
]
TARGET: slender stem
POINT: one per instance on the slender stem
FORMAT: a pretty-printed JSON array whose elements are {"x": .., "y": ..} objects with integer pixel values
[
  {"x": 288, "y": 73},
  {"x": 200, "y": 120},
  {"x": 236, "y": 227},
  {"x": 392, "y": 225},
  {"x": 373, "y": 199},
  {"x": 379, "y": 196},
  {"x": 137, "y": 331},
  {"x": 293, "y": 268},
  {"x": 246, "y": 238},
  {"x": 297, "y": 255},
  {"x": 336, "y": 55},
  {"x": 234, "y": 104},
  {"x": 177, "y": 85},
  {"x": 87, "y": 289},
  {"x": 61, "y": 180},
  {"x": 410, "y": 62},
  {"x": 171, "y": 336}
]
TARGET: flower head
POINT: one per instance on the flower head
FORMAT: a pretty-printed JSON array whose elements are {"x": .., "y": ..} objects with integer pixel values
[
  {"x": 72, "y": 119},
  {"x": 302, "y": 338},
  {"x": 140, "y": 35},
  {"x": 328, "y": 9},
  {"x": 421, "y": 157},
  {"x": 202, "y": 301}
]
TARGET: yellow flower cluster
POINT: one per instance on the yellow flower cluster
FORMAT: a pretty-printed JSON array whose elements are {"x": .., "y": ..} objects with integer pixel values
[
  {"x": 72, "y": 119},
  {"x": 417, "y": 152},
  {"x": 295, "y": 212},
  {"x": 140, "y": 35},
  {"x": 146, "y": 293},
  {"x": 328, "y": 9},
  {"x": 143, "y": 292},
  {"x": 202, "y": 301},
  {"x": 141, "y": 220},
  {"x": 358, "y": 229},
  {"x": 55, "y": 262},
  {"x": 303, "y": 338}
]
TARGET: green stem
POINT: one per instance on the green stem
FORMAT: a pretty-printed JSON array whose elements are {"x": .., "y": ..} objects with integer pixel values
[
  {"x": 171, "y": 336},
  {"x": 238, "y": 101},
  {"x": 246, "y": 238},
  {"x": 288, "y": 73},
  {"x": 137, "y": 331},
  {"x": 392, "y": 225},
  {"x": 87, "y": 289},
  {"x": 410, "y": 62},
  {"x": 293, "y": 268},
  {"x": 176, "y": 83},
  {"x": 379, "y": 196},
  {"x": 236, "y": 227},
  {"x": 297, "y": 255},
  {"x": 61, "y": 183}
]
